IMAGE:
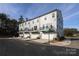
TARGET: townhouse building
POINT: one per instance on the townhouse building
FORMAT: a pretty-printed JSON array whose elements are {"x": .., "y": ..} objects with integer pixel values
[{"x": 46, "y": 26}]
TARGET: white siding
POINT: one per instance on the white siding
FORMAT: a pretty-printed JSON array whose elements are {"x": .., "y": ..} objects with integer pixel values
[
  {"x": 50, "y": 36},
  {"x": 45, "y": 20}
]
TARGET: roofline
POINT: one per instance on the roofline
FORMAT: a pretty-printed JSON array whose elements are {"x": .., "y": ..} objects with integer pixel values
[{"x": 43, "y": 14}]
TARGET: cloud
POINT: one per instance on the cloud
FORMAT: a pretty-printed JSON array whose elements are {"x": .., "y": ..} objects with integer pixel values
[
  {"x": 38, "y": 9},
  {"x": 68, "y": 7},
  {"x": 71, "y": 15}
]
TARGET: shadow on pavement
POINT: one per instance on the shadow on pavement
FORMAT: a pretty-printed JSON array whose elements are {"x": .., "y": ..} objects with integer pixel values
[{"x": 24, "y": 48}]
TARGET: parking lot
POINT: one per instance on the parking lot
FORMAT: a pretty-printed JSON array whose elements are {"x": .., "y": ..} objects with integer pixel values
[{"x": 14, "y": 47}]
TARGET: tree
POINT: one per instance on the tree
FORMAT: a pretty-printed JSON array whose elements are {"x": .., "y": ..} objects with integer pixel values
[
  {"x": 21, "y": 19},
  {"x": 3, "y": 18},
  {"x": 8, "y": 26},
  {"x": 69, "y": 31}
]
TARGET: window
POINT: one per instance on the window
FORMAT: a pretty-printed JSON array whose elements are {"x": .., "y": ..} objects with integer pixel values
[
  {"x": 37, "y": 20},
  {"x": 35, "y": 27},
  {"x": 46, "y": 26},
  {"x": 40, "y": 28},
  {"x": 43, "y": 26},
  {"x": 32, "y": 28},
  {"x": 28, "y": 22},
  {"x": 26, "y": 29},
  {"x": 53, "y": 15},
  {"x": 45, "y": 18},
  {"x": 51, "y": 26}
]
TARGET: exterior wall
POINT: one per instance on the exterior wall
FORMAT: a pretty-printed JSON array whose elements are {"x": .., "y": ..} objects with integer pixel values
[
  {"x": 40, "y": 22},
  {"x": 60, "y": 24},
  {"x": 44, "y": 36},
  {"x": 50, "y": 36},
  {"x": 34, "y": 36},
  {"x": 49, "y": 20},
  {"x": 43, "y": 23},
  {"x": 35, "y": 22}
]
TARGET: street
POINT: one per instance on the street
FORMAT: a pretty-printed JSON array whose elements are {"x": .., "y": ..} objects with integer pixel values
[{"x": 13, "y": 47}]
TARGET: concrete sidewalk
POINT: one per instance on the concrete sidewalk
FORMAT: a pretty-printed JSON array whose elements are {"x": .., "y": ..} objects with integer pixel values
[
  {"x": 58, "y": 43},
  {"x": 61, "y": 43},
  {"x": 42, "y": 41}
]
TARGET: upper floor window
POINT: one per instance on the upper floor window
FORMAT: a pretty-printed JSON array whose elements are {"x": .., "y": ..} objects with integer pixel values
[
  {"x": 26, "y": 29},
  {"x": 43, "y": 26},
  {"x": 40, "y": 28},
  {"x": 37, "y": 20},
  {"x": 35, "y": 27},
  {"x": 28, "y": 22},
  {"x": 53, "y": 15},
  {"x": 46, "y": 26},
  {"x": 32, "y": 28},
  {"x": 51, "y": 26},
  {"x": 45, "y": 18}
]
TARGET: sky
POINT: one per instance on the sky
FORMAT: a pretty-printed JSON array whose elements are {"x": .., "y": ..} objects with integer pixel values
[{"x": 70, "y": 11}]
